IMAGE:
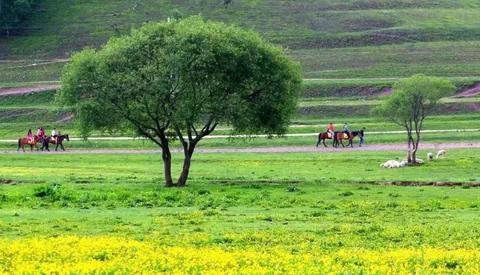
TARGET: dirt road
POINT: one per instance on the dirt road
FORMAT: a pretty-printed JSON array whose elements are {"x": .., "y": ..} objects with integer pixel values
[
  {"x": 284, "y": 149},
  {"x": 28, "y": 90}
]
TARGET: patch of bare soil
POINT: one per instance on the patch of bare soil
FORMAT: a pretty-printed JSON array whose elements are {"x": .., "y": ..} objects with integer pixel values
[
  {"x": 66, "y": 117},
  {"x": 470, "y": 91},
  {"x": 425, "y": 183},
  {"x": 459, "y": 108},
  {"x": 251, "y": 182},
  {"x": 8, "y": 181},
  {"x": 28, "y": 90}
]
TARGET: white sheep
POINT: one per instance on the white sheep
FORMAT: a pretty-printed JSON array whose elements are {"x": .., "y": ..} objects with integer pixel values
[
  {"x": 388, "y": 164},
  {"x": 393, "y": 164},
  {"x": 441, "y": 154},
  {"x": 430, "y": 156}
]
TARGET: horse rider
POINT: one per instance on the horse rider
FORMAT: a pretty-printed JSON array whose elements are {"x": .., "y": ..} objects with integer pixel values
[
  {"x": 30, "y": 137},
  {"x": 346, "y": 130},
  {"x": 331, "y": 129},
  {"x": 55, "y": 134},
  {"x": 41, "y": 133}
]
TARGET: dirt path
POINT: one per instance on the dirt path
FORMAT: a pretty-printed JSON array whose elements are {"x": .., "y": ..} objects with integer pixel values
[
  {"x": 470, "y": 91},
  {"x": 28, "y": 90},
  {"x": 467, "y": 92},
  {"x": 256, "y": 136},
  {"x": 283, "y": 149}
]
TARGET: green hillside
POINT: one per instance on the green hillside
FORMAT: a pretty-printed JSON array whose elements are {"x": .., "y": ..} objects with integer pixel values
[
  {"x": 353, "y": 49},
  {"x": 333, "y": 39}
]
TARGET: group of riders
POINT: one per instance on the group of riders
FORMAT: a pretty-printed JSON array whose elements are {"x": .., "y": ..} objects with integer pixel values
[
  {"x": 56, "y": 138},
  {"x": 41, "y": 137},
  {"x": 339, "y": 136}
]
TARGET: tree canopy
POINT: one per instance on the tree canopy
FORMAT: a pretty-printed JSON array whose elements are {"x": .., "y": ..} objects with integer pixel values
[
  {"x": 412, "y": 100},
  {"x": 179, "y": 80}
]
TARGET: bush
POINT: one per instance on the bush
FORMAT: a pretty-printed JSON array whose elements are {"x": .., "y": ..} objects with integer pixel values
[{"x": 50, "y": 191}]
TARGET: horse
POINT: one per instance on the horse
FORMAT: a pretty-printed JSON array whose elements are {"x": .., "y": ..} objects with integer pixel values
[
  {"x": 340, "y": 136},
  {"x": 49, "y": 140},
  {"x": 322, "y": 137},
  {"x": 24, "y": 141}
]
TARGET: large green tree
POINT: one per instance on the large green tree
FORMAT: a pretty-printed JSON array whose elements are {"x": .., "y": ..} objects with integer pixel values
[
  {"x": 412, "y": 100},
  {"x": 179, "y": 80}
]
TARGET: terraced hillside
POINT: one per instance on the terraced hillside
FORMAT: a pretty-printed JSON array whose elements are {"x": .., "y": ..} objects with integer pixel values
[
  {"x": 351, "y": 53},
  {"x": 333, "y": 39}
]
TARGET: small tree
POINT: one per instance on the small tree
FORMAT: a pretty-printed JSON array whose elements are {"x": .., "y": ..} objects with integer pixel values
[
  {"x": 179, "y": 80},
  {"x": 413, "y": 99}
]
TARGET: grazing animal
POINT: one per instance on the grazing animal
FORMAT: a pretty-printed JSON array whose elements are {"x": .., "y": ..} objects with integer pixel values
[
  {"x": 430, "y": 156},
  {"x": 24, "y": 141},
  {"x": 394, "y": 164},
  {"x": 441, "y": 154}
]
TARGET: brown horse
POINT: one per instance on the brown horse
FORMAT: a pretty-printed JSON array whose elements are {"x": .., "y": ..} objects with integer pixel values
[
  {"x": 322, "y": 137},
  {"x": 24, "y": 141},
  {"x": 340, "y": 136},
  {"x": 50, "y": 140}
]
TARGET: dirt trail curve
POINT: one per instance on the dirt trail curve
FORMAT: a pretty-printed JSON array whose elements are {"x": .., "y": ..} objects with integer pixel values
[
  {"x": 470, "y": 91},
  {"x": 28, "y": 90},
  {"x": 283, "y": 149}
]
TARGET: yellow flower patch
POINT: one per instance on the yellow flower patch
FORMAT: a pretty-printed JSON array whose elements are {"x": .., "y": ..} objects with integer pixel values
[{"x": 118, "y": 255}]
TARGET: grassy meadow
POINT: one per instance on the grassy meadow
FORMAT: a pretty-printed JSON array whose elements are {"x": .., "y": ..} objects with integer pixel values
[
  {"x": 316, "y": 212},
  {"x": 250, "y": 213}
]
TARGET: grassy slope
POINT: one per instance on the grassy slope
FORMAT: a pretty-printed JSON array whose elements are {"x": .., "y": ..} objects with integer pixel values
[
  {"x": 331, "y": 38},
  {"x": 307, "y": 27}
]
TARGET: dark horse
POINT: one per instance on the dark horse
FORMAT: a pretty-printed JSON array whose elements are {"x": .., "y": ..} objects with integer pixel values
[
  {"x": 24, "y": 141},
  {"x": 322, "y": 137},
  {"x": 340, "y": 136},
  {"x": 49, "y": 140}
]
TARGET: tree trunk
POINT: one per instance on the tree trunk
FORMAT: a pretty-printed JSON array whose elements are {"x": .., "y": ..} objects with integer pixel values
[
  {"x": 409, "y": 152},
  {"x": 188, "y": 152},
  {"x": 415, "y": 149},
  {"x": 410, "y": 143},
  {"x": 167, "y": 166}
]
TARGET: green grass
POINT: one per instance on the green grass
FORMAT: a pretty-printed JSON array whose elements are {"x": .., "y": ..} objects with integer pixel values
[
  {"x": 231, "y": 196},
  {"x": 446, "y": 59},
  {"x": 300, "y": 202}
]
